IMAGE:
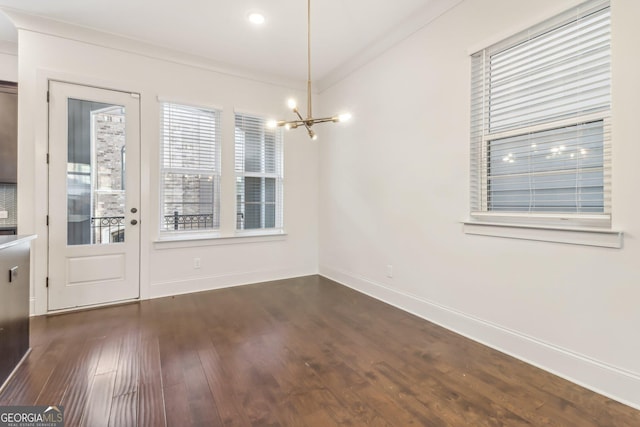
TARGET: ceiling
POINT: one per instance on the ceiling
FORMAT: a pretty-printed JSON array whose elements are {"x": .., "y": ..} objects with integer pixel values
[{"x": 342, "y": 30}]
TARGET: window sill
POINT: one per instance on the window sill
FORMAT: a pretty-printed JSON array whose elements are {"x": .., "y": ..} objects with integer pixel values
[
  {"x": 575, "y": 236},
  {"x": 195, "y": 240}
]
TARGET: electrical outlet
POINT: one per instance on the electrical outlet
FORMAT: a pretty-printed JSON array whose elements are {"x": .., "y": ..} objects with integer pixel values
[
  {"x": 196, "y": 263},
  {"x": 4, "y": 214},
  {"x": 389, "y": 270}
]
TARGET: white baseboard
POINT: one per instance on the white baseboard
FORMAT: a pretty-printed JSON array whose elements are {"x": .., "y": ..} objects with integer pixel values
[
  {"x": 610, "y": 381},
  {"x": 207, "y": 283}
]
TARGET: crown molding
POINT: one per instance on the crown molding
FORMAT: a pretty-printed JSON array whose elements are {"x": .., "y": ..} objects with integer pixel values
[
  {"x": 404, "y": 30},
  {"x": 34, "y": 23},
  {"x": 38, "y": 24}
]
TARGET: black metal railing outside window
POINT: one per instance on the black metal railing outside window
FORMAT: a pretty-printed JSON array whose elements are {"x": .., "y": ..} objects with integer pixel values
[
  {"x": 107, "y": 229},
  {"x": 188, "y": 222}
]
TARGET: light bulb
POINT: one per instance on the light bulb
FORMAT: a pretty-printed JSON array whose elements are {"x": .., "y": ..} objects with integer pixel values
[
  {"x": 287, "y": 126},
  {"x": 344, "y": 117},
  {"x": 256, "y": 18},
  {"x": 292, "y": 103},
  {"x": 272, "y": 124}
]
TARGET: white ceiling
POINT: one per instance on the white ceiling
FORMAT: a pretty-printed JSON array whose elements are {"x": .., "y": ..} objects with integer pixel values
[{"x": 342, "y": 30}]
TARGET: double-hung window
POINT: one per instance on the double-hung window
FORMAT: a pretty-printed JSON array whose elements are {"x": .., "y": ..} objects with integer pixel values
[
  {"x": 190, "y": 143},
  {"x": 258, "y": 166},
  {"x": 540, "y": 122}
]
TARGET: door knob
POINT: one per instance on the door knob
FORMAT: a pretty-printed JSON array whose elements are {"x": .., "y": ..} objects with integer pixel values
[
  {"x": 134, "y": 221},
  {"x": 134, "y": 210}
]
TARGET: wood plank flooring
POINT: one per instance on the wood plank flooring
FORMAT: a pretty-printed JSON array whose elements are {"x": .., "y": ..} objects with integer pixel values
[{"x": 296, "y": 352}]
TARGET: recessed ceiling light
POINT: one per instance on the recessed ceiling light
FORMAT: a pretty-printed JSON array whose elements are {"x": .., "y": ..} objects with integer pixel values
[{"x": 256, "y": 18}]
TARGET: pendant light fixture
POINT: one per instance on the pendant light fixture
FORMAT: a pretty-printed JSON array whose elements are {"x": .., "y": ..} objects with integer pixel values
[{"x": 309, "y": 121}]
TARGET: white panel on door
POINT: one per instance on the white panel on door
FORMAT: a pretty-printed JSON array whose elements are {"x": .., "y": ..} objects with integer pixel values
[{"x": 96, "y": 268}]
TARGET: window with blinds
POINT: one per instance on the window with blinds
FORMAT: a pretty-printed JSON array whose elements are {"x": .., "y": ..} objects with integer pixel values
[
  {"x": 540, "y": 121},
  {"x": 258, "y": 165},
  {"x": 190, "y": 140}
]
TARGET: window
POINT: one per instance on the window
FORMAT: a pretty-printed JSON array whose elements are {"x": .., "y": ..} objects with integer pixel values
[
  {"x": 190, "y": 168},
  {"x": 540, "y": 122},
  {"x": 258, "y": 174}
]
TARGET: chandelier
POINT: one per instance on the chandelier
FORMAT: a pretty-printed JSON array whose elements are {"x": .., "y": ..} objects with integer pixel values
[{"x": 309, "y": 121}]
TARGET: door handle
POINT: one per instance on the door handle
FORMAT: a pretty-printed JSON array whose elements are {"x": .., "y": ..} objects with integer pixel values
[{"x": 134, "y": 221}]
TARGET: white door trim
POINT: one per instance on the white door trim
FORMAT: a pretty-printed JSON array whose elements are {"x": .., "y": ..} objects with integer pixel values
[{"x": 85, "y": 275}]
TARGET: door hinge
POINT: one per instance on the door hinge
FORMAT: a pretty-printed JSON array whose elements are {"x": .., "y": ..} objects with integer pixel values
[
  {"x": 47, "y": 220},
  {"x": 47, "y": 282},
  {"x": 47, "y": 96},
  {"x": 47, "y": 158}
]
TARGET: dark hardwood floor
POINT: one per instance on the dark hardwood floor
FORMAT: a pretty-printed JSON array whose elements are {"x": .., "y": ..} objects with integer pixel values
[{"x": 298, "y": 352}]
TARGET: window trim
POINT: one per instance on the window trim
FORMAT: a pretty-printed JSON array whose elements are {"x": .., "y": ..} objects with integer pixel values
[
  {"x": 224, "y": 235},
  {"x": 584, "y": 236},
  {"x": 481, "y": 138},
  {"x": 532, "y": 218},
  {"x": 278, "y": 176},
  {"x": 202, "y": 239},
  {"x": 175, "y": 235}
]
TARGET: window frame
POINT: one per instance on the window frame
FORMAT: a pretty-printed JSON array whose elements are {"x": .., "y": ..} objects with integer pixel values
[
  {"x": 278, "y": 176},
  {"x": 553, "y": 218},
  {"x": 215, "y": 173},
  {"x": 481, "y": 136}
]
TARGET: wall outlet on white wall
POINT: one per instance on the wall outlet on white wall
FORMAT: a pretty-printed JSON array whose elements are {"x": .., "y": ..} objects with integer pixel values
[
  {"x": 389, "y": 270},
  {"x": 196, "y": 263}
]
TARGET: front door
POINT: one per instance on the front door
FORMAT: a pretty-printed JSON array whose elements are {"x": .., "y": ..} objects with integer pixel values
[{"x": 94, "y": 196}]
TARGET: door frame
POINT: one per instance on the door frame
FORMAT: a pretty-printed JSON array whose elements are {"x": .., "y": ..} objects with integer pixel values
[{"x": 138, "y": 186}]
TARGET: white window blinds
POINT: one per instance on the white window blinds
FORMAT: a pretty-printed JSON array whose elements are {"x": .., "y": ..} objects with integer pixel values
[
  {"x": 540, "y": 125},
  {"x": 258, "y": 165},
  {"x": 190, "y": 168}
]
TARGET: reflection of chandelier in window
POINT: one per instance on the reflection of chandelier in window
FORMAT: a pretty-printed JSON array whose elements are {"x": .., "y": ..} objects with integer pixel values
[{"x": 309, "y": 121}]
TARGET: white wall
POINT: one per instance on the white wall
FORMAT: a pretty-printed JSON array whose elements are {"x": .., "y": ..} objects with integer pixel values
[
  {"x": 8, "y": 67},
  {"x": 166, "y": 268},
  {"x": 8, "y": 57},
  {"x": 394, "y": 187}
]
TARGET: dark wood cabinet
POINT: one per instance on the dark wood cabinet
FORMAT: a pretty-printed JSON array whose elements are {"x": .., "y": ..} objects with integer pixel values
[
  {"x": 8, "y": 132},
  {"x": 14, "y": 302}
]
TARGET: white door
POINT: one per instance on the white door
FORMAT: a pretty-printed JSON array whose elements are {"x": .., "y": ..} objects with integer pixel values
[{"x": 94, "y": 196}]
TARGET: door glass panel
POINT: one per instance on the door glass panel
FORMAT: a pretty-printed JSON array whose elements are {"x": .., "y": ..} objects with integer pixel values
[{"x": 95, "y": 173}]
